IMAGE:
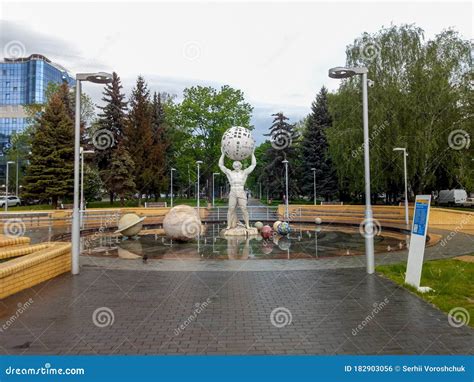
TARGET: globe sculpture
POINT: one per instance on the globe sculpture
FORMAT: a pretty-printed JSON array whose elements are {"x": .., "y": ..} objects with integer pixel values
[
  {"x": 275, "y": 225},
  {"x": 130, "y": 225},
  {"x": 266, "y": 232},
  {"x": 284, "y": 228},
  {"x": 237, "y": 143},
  {"x": 258, "y": 225},
  {"x": 182, "y": 223}
]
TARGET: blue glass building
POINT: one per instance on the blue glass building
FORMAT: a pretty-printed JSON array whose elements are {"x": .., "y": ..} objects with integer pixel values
[{"x": 24, "y": 81}]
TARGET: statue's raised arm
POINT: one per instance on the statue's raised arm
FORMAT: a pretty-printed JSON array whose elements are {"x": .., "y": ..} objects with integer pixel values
[
  {"x": 223, "y": 168},
  {"x": 249, "y": 169}
]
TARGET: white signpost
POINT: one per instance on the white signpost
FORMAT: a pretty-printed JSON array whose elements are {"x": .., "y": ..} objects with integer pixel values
[{"x": 418, "y": 241}]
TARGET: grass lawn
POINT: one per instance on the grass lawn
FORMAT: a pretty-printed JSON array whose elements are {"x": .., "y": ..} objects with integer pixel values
[{"x": 452, "y": 281}]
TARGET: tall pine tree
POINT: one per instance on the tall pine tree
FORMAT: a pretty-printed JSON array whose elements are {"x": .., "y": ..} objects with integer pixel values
[
  {"x": 159, "y": 146},
  {"x": 113, "y": 119},
  {"x": 283, "y": 137},
  {"x": 118, "y": 175},
  {"x": 314, "y": 151},
  {"x": 51, "y": 169},
  {"x": 139, "y": 136}
]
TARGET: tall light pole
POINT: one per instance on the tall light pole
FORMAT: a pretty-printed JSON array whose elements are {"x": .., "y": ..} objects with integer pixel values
[
  {"x": 341, "y": 72},
  {"x": 6, "y": 185},
  {"x": 405, "y": 154},
  {"x": 98, "y": 78},
  {"x": 171, "y": 171},
  {"x": 213, "y": 182},
  {"x": 83, "y": 152},
  {"x": 16, "y": 177},
  {"x": 285, "y": 162},
  {"x": 314, "y": 184},
  {"x": 198, "y": 163}
]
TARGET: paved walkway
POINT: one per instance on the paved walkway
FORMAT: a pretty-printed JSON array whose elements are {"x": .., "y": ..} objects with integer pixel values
[{"x": 338, "y": 311}]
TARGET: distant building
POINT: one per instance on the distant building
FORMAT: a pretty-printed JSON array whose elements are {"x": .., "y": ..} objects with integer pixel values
[{"x": 23, "y": 81}]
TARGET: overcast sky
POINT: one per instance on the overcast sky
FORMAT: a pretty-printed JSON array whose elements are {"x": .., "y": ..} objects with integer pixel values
[{"x": 278, "y": 54}]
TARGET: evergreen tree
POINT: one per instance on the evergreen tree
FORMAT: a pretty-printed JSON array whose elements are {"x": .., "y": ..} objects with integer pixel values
[
  {"x": 159, "y": 146},
  {"x": 118, "y": 177},
  {"x": 113, "y": 119},
  {"x": 50, "y": 173},
  {"x": 283, "y": 137},
  {"x": 139, "y": 136},
  {"x": 314, "y": 151}
]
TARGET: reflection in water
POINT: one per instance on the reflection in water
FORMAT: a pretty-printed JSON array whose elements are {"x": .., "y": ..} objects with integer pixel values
[{"x": 305, "y": 242}]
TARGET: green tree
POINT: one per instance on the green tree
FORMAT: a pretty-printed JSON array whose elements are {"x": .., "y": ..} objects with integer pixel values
[
  {"x": 416, "y": 102},
  {"x": 283, "y": 137},
  {"x": 203, "y": 116},
  {"x": 139, "y": 136},
  {"x": 113, "y": 120},
  {"x": 314, "y": 151},
  {"x": 118, "y": 177},
  {"x": 50, "y": 173}
]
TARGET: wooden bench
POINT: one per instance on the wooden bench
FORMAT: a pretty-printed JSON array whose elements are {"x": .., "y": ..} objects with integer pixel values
[{"x": 155, "y": 204}]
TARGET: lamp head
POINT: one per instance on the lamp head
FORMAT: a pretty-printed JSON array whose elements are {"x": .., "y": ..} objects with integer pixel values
[
  {"x": 97, "y": 78},
  {"x": 343, "y": 72}
]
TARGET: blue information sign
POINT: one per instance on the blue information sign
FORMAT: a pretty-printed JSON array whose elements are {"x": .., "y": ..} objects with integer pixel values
[{"x": 420, "y": 219}]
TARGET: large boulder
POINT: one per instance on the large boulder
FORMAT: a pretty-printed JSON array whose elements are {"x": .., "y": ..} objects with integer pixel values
[{"x": 182, "y": 223}]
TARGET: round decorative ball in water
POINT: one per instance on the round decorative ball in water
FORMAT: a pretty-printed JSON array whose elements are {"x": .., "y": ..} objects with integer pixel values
[
  {"x": 182, "y": 223},
  {"x": 266, "y": 232},
  {"x": 275, "y": 225},
  {"x": 238, "y": 143},
  {"x": 318, "y": 221},
  {"x": 284, "y": 228},
  {"x": 130, "y": 225},
  {"x": 258, "y": 225},
  {"x": 284, "y": 244}
]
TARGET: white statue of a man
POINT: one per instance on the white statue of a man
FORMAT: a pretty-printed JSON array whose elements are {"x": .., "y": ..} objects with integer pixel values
[{"x": 237, "y": 195}]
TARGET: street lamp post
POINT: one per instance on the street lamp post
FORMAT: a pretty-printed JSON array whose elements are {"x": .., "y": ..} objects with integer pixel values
[
  {"x": 285, "y": 162},
  {"x": 198, "y": 162},
  {"x": 314, "y": 184},
  {"x": 341, "y": 72},
  {"x": 83, "y": 152},
  {"x": 172, "y": 169},
  {"x": 405, "y": 154},
  {"x": 6, "y": 185},
  {"x": 16, "y": 177},
  {"x": 98, "y": 78},
  {"x": 213, "y": 182}
]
